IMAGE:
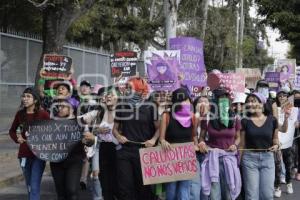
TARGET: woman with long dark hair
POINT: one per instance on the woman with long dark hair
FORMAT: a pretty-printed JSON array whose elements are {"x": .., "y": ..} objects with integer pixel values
[
  {"x": 102, "y": 121},
  {"x": 223, "y": 131},
  {"x": 177, "y": 127},
  {"x": 32, "y": 166},
  {"x": 260, "y": 136}
]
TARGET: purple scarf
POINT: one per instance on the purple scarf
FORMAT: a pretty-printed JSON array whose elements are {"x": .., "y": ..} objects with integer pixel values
[{"x": 183, "y": 116}]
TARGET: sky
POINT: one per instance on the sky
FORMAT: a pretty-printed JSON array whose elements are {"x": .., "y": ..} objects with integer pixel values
[{"x": 277, "y": 49}]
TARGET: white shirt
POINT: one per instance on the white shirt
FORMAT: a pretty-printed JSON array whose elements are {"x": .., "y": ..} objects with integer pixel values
[{"x": 286, "y": 139}]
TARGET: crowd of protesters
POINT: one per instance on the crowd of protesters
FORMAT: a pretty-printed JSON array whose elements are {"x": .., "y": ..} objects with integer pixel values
[{"x": 244, "y": 141}]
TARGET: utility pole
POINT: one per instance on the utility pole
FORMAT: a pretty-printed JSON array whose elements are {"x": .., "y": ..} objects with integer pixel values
[{"x": 240, "y": 52}]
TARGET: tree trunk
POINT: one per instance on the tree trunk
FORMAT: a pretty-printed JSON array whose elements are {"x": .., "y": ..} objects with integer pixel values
[
  {"x": 205, "y": 10},
  {"x": 55, "y": 26},
  {"x": 170, "y": 12},
  {"x": 56, "y": 22}
]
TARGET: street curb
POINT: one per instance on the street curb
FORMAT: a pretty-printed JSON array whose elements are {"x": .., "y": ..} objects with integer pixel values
[{"x": 11, "y": 180}]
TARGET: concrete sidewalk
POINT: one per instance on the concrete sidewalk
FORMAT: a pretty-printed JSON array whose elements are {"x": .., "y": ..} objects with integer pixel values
[{"x": 10, "y": 171}]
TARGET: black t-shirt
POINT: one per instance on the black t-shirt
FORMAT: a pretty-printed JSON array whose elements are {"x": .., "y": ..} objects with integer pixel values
[
  {"x": 259, "y": 137},
  {"x": 137, "y": 123},
  {"x": 176, "y": 133}
]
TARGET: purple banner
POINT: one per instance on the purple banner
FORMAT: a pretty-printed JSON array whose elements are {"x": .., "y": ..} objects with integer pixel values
[
  {"x": 162, "y": 69},
  {"x": 297, "y": 78},
  {"x": 273, "y": 78},
  {"x": 191, "y": 60}
]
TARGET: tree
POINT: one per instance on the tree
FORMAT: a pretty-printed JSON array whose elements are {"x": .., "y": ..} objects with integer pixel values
[
  {"x": 119, "y": 25},
  {"x": 170, "y": 13},
  {"x": 284, "y": 15},
  {"x": 58, "y": 16}
]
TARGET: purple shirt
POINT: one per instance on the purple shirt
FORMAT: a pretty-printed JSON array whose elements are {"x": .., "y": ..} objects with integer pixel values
[{"x": 221, "y": 139}]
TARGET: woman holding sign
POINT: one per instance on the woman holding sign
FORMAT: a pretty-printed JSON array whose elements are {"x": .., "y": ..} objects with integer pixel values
[
  {"x": 67, "y": 173},
  {"x": 223, "y": 130},
  {"x": 135, "y": 126},
  {"x": 178, "y": 127},
  {"x": 32, "y": 166}
]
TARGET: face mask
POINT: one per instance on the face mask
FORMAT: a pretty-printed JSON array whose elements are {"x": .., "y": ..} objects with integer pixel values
[
  {"x": 264, "y": 91},
  {"x": 223, "y": 105},
  {"x": 183, "y": 116}
]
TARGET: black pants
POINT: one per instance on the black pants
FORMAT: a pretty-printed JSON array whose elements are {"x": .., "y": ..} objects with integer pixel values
[
  {"x": 66, "y": 177},
  {"x": 108, "y": 170},
  {"x": 130, "y": 181},
  {"x": 287, "y": 157}
]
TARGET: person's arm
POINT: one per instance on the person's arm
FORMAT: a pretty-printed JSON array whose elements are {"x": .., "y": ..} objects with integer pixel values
[
  {"x": 275, "y": 140},
  {"x": 276, "y": 144},
  {"x": 275, "y": 110},
  {"x": 122, "y": 139},
  {"x": 237, "y": 141},
  {"x": 202, "y": 145},
  {"x": 195, "y": 136},
  {"x": 152, "y": 141},
  {"x": 162, "y": 132},
  {"x": 13, "y": 129}
]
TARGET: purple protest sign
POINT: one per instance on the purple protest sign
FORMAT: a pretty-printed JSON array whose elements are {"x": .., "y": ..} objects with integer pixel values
[
  {"x": 273, "y": 78},
  {"x": 297, "y": 78},
  {"x": 191, "y": 60},
  {"x": 162, "y": 69}
]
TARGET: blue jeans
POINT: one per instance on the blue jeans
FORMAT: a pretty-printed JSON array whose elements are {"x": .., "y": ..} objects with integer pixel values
[
  {"x": 195, "y": 185},
  {"x": 179, "y": 190},
  {"x": 220, "y": 190},
  {"x": 33, "y": 169},
  {"x": 258, "y": 175}
]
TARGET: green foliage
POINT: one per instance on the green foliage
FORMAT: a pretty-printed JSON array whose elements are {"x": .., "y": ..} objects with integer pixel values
[
  {"x": 112, "y": 24},
  {"x": 284, "y": 15},
  {"x": 20, "y": 15}
]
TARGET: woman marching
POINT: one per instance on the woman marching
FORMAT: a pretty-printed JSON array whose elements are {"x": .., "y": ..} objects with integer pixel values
[
  {"x": 221, "y": 177},
  {"x": 260, "y": 136},
  {"x": 135, "y": 126},
  {"x": 32, "y": 166},
  {"x": 286, "y": 141},
  {"x": 102, "y": 121},
  {"x": 177, "y": 127},
  {"x": 66, "y": 174}
]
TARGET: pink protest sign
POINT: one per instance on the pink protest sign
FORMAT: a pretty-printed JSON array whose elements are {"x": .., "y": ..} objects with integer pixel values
[
  {"x": 233, "y": 81},
  {"x": 159, "y": 166}
]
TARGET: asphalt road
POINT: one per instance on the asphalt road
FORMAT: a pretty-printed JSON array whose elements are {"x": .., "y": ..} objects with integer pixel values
[{"x": 18, "y": 192}]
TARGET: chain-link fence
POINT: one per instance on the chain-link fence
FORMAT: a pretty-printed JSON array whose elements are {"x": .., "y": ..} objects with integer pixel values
[{"x": 19, "y": 57}]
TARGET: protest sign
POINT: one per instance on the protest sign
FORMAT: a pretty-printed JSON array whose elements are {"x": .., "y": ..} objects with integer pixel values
[
  {"x": 287, "y": 67},
  {"x": 159, "y": 166},
  {"x": 297, "y": 78},
  {"x": 56, "y": 67},
  {"x": 273, "y": 78},
  {"x": 191, "y": 60},
  {"x": 235, "y": 82},
  {"x": 162, "y": 69},
  {"x": 124, "y": 63},
  {"x": 53, "y": 140}
]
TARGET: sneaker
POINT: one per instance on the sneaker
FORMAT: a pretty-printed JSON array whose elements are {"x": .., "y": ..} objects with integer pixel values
[
  {"x": 282, "y": 180},
  {"x": 277, "y": 192},
  {"x": 289, "y": 188}
]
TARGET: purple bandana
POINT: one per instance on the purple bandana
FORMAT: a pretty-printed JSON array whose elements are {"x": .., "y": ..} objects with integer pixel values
[{"x": 184, "y": 115}]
